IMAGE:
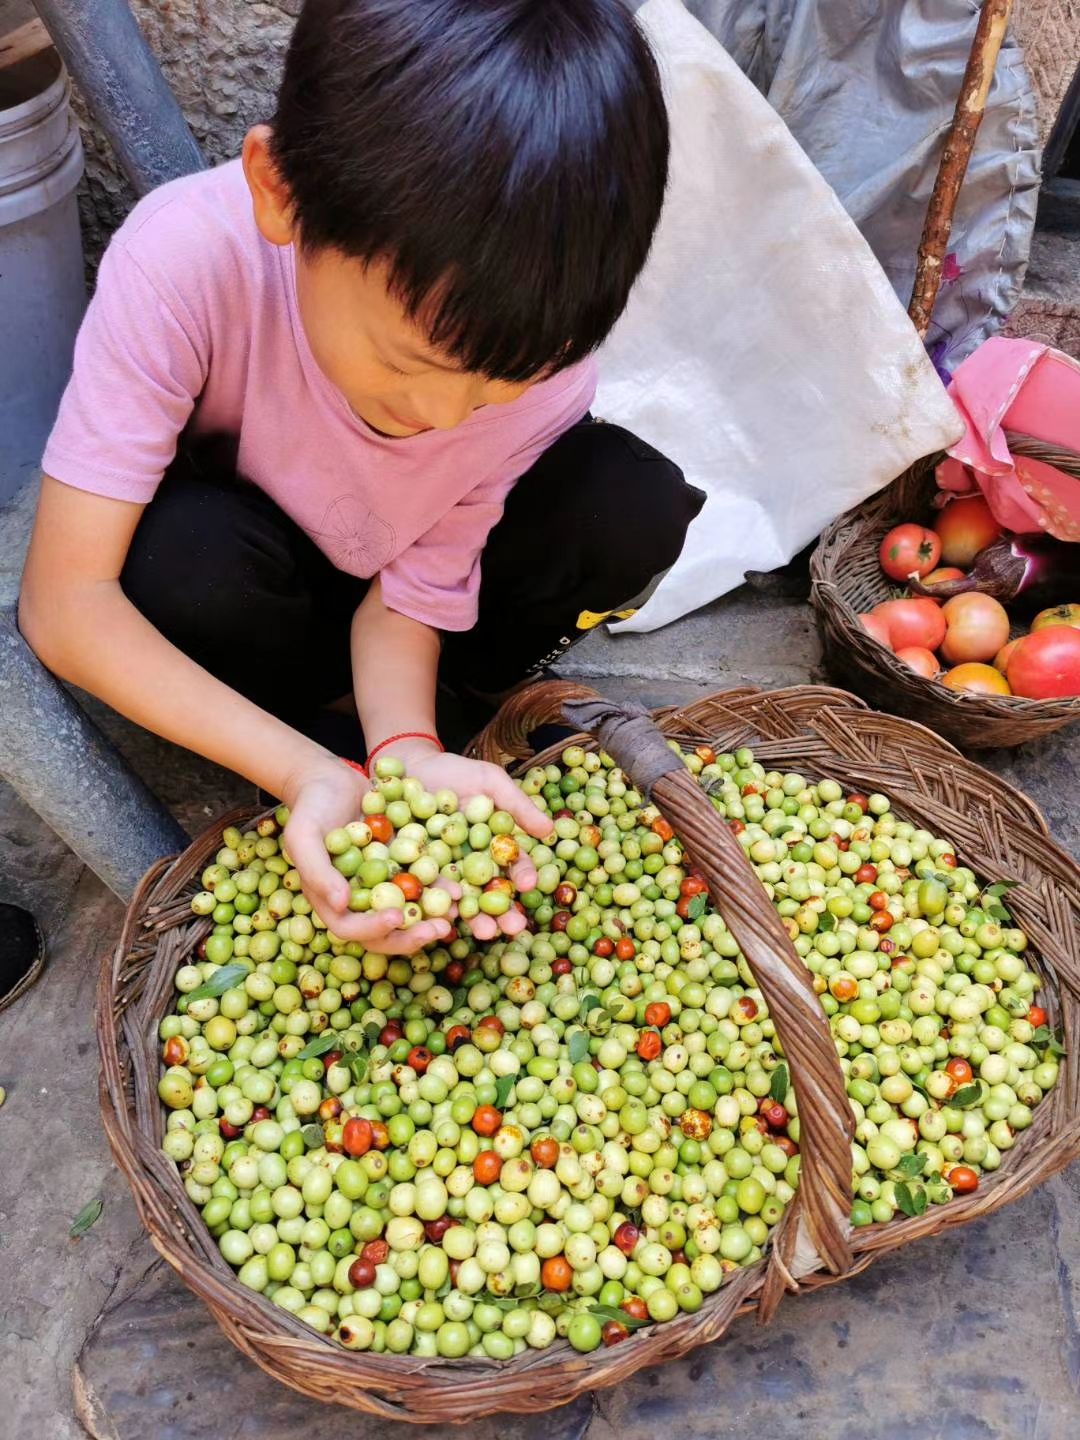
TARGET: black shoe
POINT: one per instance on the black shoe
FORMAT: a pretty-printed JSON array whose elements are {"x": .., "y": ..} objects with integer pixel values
[
  {"x": 22, "y": 952},
  {"x": 789, "y": 582}
]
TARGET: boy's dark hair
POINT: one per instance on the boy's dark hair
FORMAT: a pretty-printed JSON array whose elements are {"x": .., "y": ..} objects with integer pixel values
[{"x": 506, "y": 158}]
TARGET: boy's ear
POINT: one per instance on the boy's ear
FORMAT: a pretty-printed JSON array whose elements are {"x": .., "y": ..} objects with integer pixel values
[{"x": 269, "y": 195}]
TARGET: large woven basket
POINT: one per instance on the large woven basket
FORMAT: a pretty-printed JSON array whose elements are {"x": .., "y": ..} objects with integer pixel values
[
  {"x": 817, "y": 731},
  {"x": 847, "y": 579}
]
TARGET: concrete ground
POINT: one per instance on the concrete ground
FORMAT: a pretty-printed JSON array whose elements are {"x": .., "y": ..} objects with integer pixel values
[{"x": 975, "y": 1337}]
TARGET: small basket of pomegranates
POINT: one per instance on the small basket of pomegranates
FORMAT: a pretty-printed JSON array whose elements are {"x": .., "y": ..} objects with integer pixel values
[
  {"x": 936, "y": 614},
  {"x": 751, "y": 1025}
]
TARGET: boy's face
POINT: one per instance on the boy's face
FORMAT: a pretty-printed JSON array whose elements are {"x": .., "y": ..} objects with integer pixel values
[{"x": 359, "y": 333}]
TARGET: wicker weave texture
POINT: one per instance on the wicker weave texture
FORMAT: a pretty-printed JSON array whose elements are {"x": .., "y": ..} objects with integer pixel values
[{"x": 815, "y": 730}]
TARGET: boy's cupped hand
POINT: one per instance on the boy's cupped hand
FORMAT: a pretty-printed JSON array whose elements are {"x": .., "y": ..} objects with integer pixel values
[{"x": 329, "y": 795}]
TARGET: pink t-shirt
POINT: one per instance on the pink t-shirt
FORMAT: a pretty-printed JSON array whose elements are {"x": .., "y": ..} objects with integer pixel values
[{"x": 195, "y": 320}]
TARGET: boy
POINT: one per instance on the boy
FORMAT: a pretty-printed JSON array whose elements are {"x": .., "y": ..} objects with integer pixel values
[{"x": 358, "y": 359}]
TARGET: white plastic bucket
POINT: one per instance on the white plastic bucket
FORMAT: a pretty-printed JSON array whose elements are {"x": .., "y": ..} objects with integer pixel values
[{"x": 42, "y": 284}]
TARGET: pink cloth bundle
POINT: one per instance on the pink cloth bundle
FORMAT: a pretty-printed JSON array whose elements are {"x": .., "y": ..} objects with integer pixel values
[{"x": 1025, "y": 387}]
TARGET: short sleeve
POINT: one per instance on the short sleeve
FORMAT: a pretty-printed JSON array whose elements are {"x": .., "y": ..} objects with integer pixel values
[
  {"x": 140, "y": 365},
  {"x": 437, "y": 579}
]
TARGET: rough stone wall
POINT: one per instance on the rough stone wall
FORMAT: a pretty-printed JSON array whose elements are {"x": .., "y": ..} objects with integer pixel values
[
  {"x": 1049, "y": 31},
  {"x": 222, "y": 59}
]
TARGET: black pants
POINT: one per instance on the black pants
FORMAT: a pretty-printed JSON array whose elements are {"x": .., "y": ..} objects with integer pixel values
[{"x": 225, "y": 575}]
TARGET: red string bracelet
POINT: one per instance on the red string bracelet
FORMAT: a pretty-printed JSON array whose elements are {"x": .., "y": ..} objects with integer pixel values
[
  {"x": 404, "y": 735},
  {"x": 355, "y": 765}
]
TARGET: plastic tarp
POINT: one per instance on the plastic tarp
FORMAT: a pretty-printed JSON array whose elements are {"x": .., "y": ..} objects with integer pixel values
[
  {"x": 868, "y": 90},
  {"x": 764, "y": 348}
]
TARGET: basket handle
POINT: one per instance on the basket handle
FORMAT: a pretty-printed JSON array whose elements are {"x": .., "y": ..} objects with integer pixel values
[
  {"x": 817, "y": 1223},
  {"x": 824, "y": 1197}
]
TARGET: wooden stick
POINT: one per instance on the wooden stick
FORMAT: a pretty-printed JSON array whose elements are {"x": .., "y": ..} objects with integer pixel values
[
  {"x": 959, "y": 143},
  {"x": 20, "y": 44}
]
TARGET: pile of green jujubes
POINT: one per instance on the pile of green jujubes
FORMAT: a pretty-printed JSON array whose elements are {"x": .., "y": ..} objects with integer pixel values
[{"x": 581, "y": 1127}]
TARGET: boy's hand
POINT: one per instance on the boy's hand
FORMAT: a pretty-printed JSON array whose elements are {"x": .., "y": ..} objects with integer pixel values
[
  {"x": 441, "y": 771},
  {"x": 320, "y": 798}
]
